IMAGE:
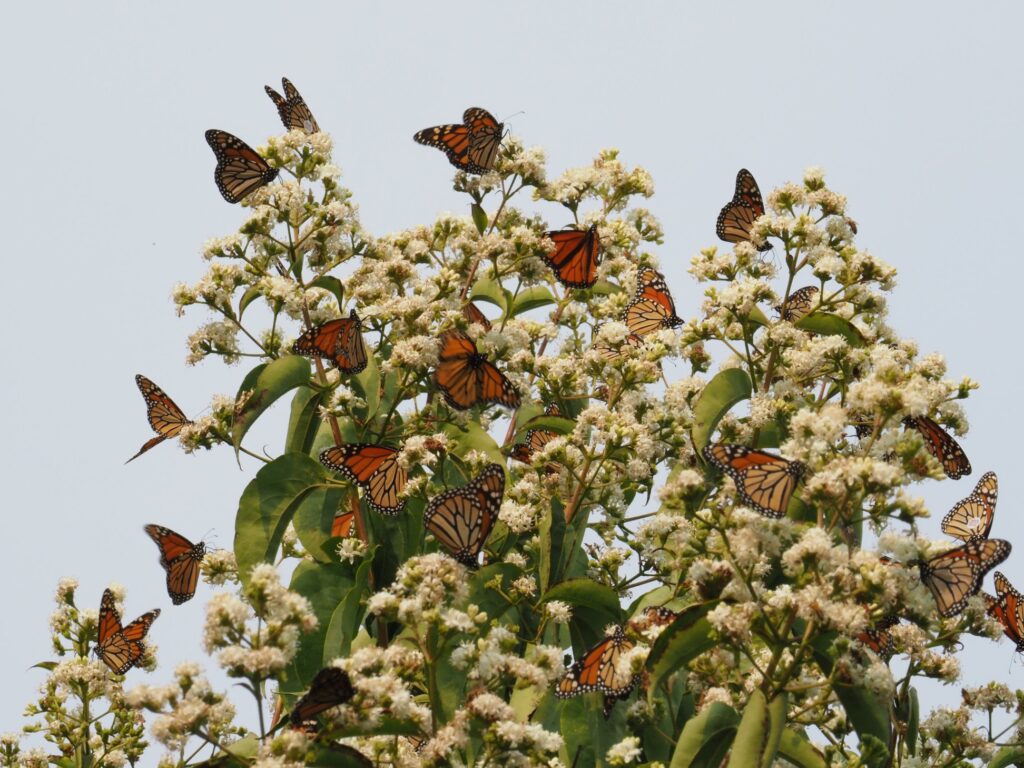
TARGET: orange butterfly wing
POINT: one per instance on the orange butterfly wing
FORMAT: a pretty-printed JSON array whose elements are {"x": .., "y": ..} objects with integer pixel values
[
  {"x": 953, "y": 577},
  {"x": 652, "y": 307},
  {"x": 121, "y": 649},
  {"x": 473, "y": 314},
  {"x": 764, "y": 481},
  {"x": 462, "y": 518},
  {"x": 466, "y": 378},
  {"x": 597, "y": 670},
  {"x": 164, "y": 416},
  {"x": 941, "y": 445},
  {"x": 973, "y": 517},
  {"x": 375, "y": 468},
  {"x": 470, "y": 147},
  {"x": 340, "y": 341},
  {"x": 240, "y": 170},
  {"x": 330, "y": 687},
  {"x": 737, "y": 217},
  {"x": 342, "y": 524},
  {"x": 181, "y": 559},
  {"x": 799, "y": 304},
  {"x": 576, "y": 256},
  {"x": 292, "y": 108}
]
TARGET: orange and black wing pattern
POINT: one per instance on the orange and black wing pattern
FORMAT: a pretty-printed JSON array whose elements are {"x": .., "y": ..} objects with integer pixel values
[
  {"x": 462, "y": 518},
  {"x": 612, "y": 352},
  {"x": 536, "y": 439},
  {"x": 121, "y": 648},
  {"x": 763, "y": 481},
  {"x": 331, "y": 687},
  {"x": 165, "y": 417},
  {"x": 576, "y": 256},
  {"x": 598, "y": 671},
  {"x": 340, "y": 341},
  {"x": 799, "y": 304},
  {"x": 972, "y": 517},
  {"x": 467, "y": 378},
  {"x": 240, "y": 170},
  {"x": 472, "y": 145},
  {"x": 652, "y": 308},
  {"x": 473, "y": 314},
  {"x": 181, "y": 559},
  {"x": 1008, "y": 609},
  {"x": 292, "y": 108},
  {"x": 737, "y": 217},
  {"x": 941, "y": 445},
  {"x": 375, "y": 468},
  {"x": 879, "y": 639},
  {"x": 956, "y": 575}
]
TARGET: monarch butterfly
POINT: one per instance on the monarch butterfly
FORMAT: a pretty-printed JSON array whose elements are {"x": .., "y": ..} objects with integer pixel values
[
  {"x": 472, "y": 145},
  {"x": 764, "y": 481},
  {"x": 598, "y": 671},
  {"x": 653, "y": 616},
  {"x": 375, "y": 468},
  {"x": 166, "y": 418},
  {"x": 461, "y": 519},
  {"x": 473, "y": 314},
  {"x": 972, "y": 517},
  {"x": 1008, "y": 609},
  {"x": 738, "y": 215},
  {"x": 467, "y": 378},
  {"x": 576, "y": 256},
  {"x": 652, "y": 308},
  {"x": 611, "y": 353},
  {"x": 799, "y": 304},
  {"x": 292, "y": 108},
  {"x": 121, "y": 648},
  {"x": 879, "y": 639},
  {"x": 955, "y": 576},
  {"x": 536, "y": 439},
  {"x": 330, "y": 687},
  {"x": 239, "y": 169},
  {"x": 181, "y": 559},
  {"x": 941, "y": 445},
  {"x": 340, "y": 341},
  {"x": 341, "y": 526}
]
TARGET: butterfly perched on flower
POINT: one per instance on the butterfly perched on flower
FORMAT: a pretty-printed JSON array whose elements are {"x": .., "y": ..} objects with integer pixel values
[
  {"x": 737, "y": 217},
  {"x": 652, "y": 616},
  {"x": 473, "y": 314},
  {"x": 471, "y": 145},
  {"x": 576, "y": 256},
  {"x": 941, "y": 445},
  {"x": 181, "y": 559},
  {"x": 763, "y": 481},
  {"x": 121, "y": 648},
  {"x": 598, "y": 670},
  {"x": 536, "y": 439},
  {"x": 292, "y": 108},
  {"x": 330, "y": 687},
  {"x": 240, "y": 170},
  {"x": 611, "y": 351},
  {"x": 467, "y": 378},
  {"x": 879, "y": 639},
  {"x": 165, "y": 417},
  {"x": 340, "y": 341},
  {"x": 1008, "y": 610},
  {"x": 799, "y": 304},
  {"x": 652, "y": 307},
  {"x": 462, "y": 518},
  {"x": 375, "y": 468},
  {"x": 953, "y": 577},
  {"x": 972, "y": 517}
]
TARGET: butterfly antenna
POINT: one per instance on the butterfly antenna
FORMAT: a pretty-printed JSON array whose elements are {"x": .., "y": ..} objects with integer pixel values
[{"x": 520, "y": 112}]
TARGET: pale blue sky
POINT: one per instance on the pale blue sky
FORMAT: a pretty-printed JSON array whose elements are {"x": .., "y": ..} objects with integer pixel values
[{"x": 913, "y": 109}]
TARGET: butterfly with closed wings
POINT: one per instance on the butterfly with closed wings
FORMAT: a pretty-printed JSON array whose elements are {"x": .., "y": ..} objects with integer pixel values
[
  {"x": 121, "y": 648},
  {"x": 240, "y": 170},
  {"x": 467, "y": 378},
  {"x": 165, "y": 417},
  {"x": 472, "y": 145},
  {"x": 763, "y": 481},
  {"x": 536, "y": 439},
  {"x": 575, "y": 257},
  {"x": 181, "y": 559},
  {"x": 340, "y": 341},
  {"x": 1008, "y": 610},
  {"x": 879, "y": 639},
  {"x": 611, "y": 351},
  {"x": 373, "y": 467},
  {"x": 955, "y": 576},
  {"x": 462, "y": 518},
  {"x": 799, "y": 304},
  {"x": 292, "y": 108},
  {"x": 652, "y": 307},
  {"x": 972, "y": 518},
  {"x": 737, "y": 217},
  {"x": 941, "y": 445},
  {"x": 330, "y": 687}
]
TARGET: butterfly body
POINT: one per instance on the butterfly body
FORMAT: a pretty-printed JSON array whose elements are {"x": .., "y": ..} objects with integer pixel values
[
  {"x": 737, "y": 217},
  {"x": 467, "y": 378},
  {"x": 340, "y": 341},
  {"x": 375, "y": 468},
  {"x": 462, "y": 518},
  {"x": 240, "y": 170},
  {"x": 763, "y": 481},
  {"x": 471, "y": 146},
  {"x": 181, "y": 559},
  {"x": 292, "y": 108},
  {"x": 121, "y": 648},
  {"x": 164, "y": 416},
  {"x": 575, "y": 257}
]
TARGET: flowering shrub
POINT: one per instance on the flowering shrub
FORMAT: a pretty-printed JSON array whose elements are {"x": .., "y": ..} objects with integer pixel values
[{"x": 717, "y": 628}]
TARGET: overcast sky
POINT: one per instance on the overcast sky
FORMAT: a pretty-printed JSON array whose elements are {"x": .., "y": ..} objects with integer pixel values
[{"x": 913, "y": 109}]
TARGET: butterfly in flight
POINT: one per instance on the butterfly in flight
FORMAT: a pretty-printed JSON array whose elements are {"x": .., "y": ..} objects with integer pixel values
[
  {"x": 737, "y": 217},
  {"x": 467, "y": 378},
  {"x": 612, "y": 352},
  {"x": 941, "y": 445},
  {"x": 955, "y": 576},
  {"x": 1008, "y": 610},
  {"x": 462, "y": 518},
  {"x": 292, "y": 108},
  {"x": 181, "y": 559},
  {"x": 240, "y": 170},
  {"x": 972, "y": 517},
  {"x": 598, "y": 670},
  {"x": 121, "y": 648},
  {"x": 473, "y": 314},
  {"x": 166, "y": 418},
  {"x": 373, "y": 467},
  {"x": 576, "y": 256},
  {"x": 799, "y": 304},
  {"x": 652, "y": 307},
  {"x": 879, "y": 639},
  {"x": 764, "y": 481},
  {"x": 471, "y": 145},
  {"x": 331, "y": 687},
  {"x": 536, "y": 439},
  {"x": 340, "y": 341}
]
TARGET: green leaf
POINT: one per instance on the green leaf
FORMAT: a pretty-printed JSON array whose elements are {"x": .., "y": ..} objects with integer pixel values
[
  {"x": 574, "y": 728},
  {"x": 556, "y": 424},
  {"x": 487, "y": 290},
  {"x": 313, "y": 519},
  {"x": 913, "y": 721},
  {"x": 239, "y": 754},
  {"x": 1007, "y": 756},
  {"x": 825, "y": 324},
  {"x": 340, "y": 756},
  {"x": 867, "y": 712},
  {"x": 267, "y": 505},
  {"x": 49, "y": 666},
  {"x": 551, "y": 531},
  {"x": 751, "y": 735},
  {"x": 715, "y": 721},
  {"x": 586, "y": 593},
  {"x": 490, "y": 601},
  {"x": 799, "y": 751},
  {"x": 473, "y": 437},
  {"x": 688, "y": 636},
  {"x": 479, "y": 217},
  {"x": 324, "y": 585},
  {"x": 531, "y": 298},
  {"x": 605, "y": 288},
  {"x": 267, "y": 383},
  {"x": 367, "y": 385},
  {"x": 304, "y": 420},
  {"x": 332, "y": 284},
  {"x": 248, "y": 298},
  {"x": 776, "y": 723},
  {"x": 347, "y": 617},
  {"x": 723, "y": 392}
]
